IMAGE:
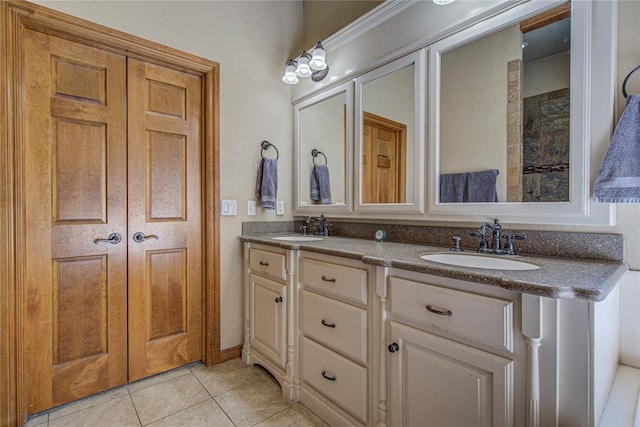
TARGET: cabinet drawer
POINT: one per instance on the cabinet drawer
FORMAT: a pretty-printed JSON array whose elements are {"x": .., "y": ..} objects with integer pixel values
[
  {"x": 339, "y": 379},
  {"x": 334, "y": 279},
  {"x": 270, "y": 263},
  {"x": 478, "y": 318},
  {"x": 340, "y": 326}
]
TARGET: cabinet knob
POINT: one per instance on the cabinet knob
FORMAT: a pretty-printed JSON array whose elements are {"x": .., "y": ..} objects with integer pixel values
[
  {"x": 278, "y": 299},
  {"x": 393, "y": 347}
]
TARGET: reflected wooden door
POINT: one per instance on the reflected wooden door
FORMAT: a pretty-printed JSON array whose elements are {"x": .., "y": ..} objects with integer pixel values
[
  {"x": 74, "y": 177},
  {"x": 384, "y": 152},
  {"x": 165, "y": 273}
]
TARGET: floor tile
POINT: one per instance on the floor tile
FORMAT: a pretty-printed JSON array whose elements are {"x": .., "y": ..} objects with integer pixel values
[
  {"x": 294, "y": 416},
  {"x": 207, "y": 413},
  {"x": 116, "y": 412},
  {"x": 157, "y": 379},
  {"x": 249, "y": 404},
  {"x": 166, "y": 398},
  {"x": 88, "y": 402},
  {"x": 37, "y": 420},
  {"x": 226, "y": 376}
]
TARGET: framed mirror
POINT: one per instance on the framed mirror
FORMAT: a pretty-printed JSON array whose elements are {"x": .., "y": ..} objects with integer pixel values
[
  {"x": 389, "y": 134},
  {"x": 510, "y": 120},
  {"x": 323, "y": 151}
]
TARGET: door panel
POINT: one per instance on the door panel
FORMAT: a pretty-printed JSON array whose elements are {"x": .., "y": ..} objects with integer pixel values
[
  {"x": 74, "y": 289},
  {"x": 165, "y": 272},
  {"x": 384, "y": 152}
]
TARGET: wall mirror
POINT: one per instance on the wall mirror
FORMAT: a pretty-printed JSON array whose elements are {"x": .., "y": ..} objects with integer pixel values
[
  {"x": 323, "y": 154},
  {"x": 389, "y": 134},
  {"x": 509, "y": 129}
]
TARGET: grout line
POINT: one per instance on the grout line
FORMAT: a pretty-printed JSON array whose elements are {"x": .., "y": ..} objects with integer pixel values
[{"x": 135, "y": 408}]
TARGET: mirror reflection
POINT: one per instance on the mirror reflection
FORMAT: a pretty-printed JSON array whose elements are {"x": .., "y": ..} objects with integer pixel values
[
  {"x": 388, "y": 138},
  {"x": 322, "y": 152},
  {"x": 504, "y": 114}
]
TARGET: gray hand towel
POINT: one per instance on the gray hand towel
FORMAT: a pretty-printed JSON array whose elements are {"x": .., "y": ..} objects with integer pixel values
[
  {"x": 481, "y": 186},
  {"x": 267, "y": 183},
  {"x": 473, "y": 187},
  {"x": 618, "y": 179},
  {"x": 320, "y": 184}
]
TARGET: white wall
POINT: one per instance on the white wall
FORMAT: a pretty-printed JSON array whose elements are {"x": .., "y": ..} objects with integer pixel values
[
  {"x": 547, "y": 74},
  {"x": 251, "y": 44}
]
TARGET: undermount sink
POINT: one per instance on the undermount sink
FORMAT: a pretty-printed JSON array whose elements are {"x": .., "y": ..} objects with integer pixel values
[
  {"x": 479, "y": 261},
  {"x": 297, "y": 238}
]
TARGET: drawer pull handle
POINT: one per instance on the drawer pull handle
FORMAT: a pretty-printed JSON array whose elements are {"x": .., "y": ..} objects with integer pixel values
[
  {"x": 328, "y": 325},
  {"x": 393, "y": 347},
  {"x": 266, "y": 264},
  {"x": 278, "y": 299},
  {"x": 326, "y": 279},
  {"x": 324, "y": 374},
  {"x": 439, "y": 311}
]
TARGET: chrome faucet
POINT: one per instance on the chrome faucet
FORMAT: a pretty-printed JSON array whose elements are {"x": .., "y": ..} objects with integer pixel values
[
  {"x": 496, "y": 244},
  {"x": 321, "y": 225},
  {"x": 482, "y": 233}
]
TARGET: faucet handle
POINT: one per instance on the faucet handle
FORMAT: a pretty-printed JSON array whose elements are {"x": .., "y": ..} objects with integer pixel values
[
  {"x": 456, "y": 245},
  {"x": 508, "y": 243},
  {"x": 304, "y": 229}
]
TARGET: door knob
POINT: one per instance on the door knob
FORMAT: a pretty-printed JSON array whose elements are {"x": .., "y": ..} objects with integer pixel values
[
  {"x": 140, "y": 237},
  {"x": 113, "y": 238}
]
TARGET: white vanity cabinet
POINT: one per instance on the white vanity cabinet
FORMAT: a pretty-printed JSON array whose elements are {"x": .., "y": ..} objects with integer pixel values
[
  {"x": 451, "y": 355},
  {"x": 334, "y": 339},
  {"x": 268, "y": 302}
]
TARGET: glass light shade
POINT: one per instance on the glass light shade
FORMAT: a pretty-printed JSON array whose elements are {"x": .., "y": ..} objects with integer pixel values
[
  {"x": 290, "y": 77},
  {"x": 318, "y": 56},
  {"x": 303, "y": 69},
  {"x": 443, "y": 1}
]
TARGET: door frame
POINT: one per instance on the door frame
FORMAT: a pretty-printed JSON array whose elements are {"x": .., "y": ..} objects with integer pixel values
[{"x": 16, "y": 16}]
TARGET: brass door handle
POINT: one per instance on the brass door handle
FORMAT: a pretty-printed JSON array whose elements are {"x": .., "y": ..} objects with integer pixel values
[
  {"x": 140, "y": 237},
  {"x": 113, "y": 238}
]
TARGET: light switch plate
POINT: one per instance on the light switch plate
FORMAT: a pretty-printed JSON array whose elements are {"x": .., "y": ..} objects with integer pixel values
[
  {"x": 229, "y": 208},
  {"x": 280, "y": 207},
  {"x": 251, "y": 207}
]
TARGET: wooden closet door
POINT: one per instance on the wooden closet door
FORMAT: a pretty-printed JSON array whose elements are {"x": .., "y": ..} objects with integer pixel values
[
  {"x": 74, "y": 178},
  {"x": 165, "y": 269}
]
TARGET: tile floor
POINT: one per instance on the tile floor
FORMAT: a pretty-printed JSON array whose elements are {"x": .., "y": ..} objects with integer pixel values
[{"x": 228, "y": 394}]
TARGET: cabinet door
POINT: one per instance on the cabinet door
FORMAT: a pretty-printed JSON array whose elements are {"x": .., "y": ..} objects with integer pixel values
[
  {"x": 437, "y": 382},
  {"x": 268, "y": 318}
]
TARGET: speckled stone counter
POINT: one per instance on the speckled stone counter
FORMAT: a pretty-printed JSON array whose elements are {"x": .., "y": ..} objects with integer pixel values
[{"x": 585, "y": 279}]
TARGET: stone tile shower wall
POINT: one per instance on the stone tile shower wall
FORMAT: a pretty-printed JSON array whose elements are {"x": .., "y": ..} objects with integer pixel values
[
  {"x": 546, "y": 147},
  {"x": 514, "y": 131}
]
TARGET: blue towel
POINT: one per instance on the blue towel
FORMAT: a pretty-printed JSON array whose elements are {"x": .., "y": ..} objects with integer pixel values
[
  {"x": 618, "y": 180},
  {"x": 472, "y": 187},
  {"x": 320, "y": 184},
  {"x": 267, "y": 183}
]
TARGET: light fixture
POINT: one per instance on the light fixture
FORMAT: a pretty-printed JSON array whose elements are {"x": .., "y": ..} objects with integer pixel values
[
  {"x": 441, "y": 2},
  {"x": 318, "y": 56},
  {"x": 303, "y": 69},
  {"x": 290, "y": 77},
  {"x": 312, "y": 65}
]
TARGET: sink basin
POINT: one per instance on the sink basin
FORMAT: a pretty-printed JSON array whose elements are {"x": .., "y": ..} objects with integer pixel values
[
  {"x": 479, "y": 261},
  {"x": 297, "y": 238}
]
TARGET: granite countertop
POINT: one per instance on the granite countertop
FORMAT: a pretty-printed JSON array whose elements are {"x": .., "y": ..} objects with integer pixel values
[{"x": 566, "y": 278}]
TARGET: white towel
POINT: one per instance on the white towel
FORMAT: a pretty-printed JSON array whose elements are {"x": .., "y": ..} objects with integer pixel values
[
  {"x": 618, "y": 179},
  {"x": 267, "y": 183}
]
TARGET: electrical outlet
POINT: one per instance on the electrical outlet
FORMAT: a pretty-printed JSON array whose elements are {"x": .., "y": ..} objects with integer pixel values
[
  {"x": 280, "y": 207},
  {"x": 251, "y": 207},
  {"x": 229, "y": 208}
]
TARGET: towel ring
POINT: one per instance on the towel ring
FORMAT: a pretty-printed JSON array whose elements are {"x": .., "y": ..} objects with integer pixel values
[
  {"x": 265, "y": 146},
  {"x": 315, "y": 153},
  {"x": 624, "y": 83}
]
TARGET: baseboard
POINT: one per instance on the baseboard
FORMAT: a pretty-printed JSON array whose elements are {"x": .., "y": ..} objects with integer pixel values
[{"x": 230, "y": 353}]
